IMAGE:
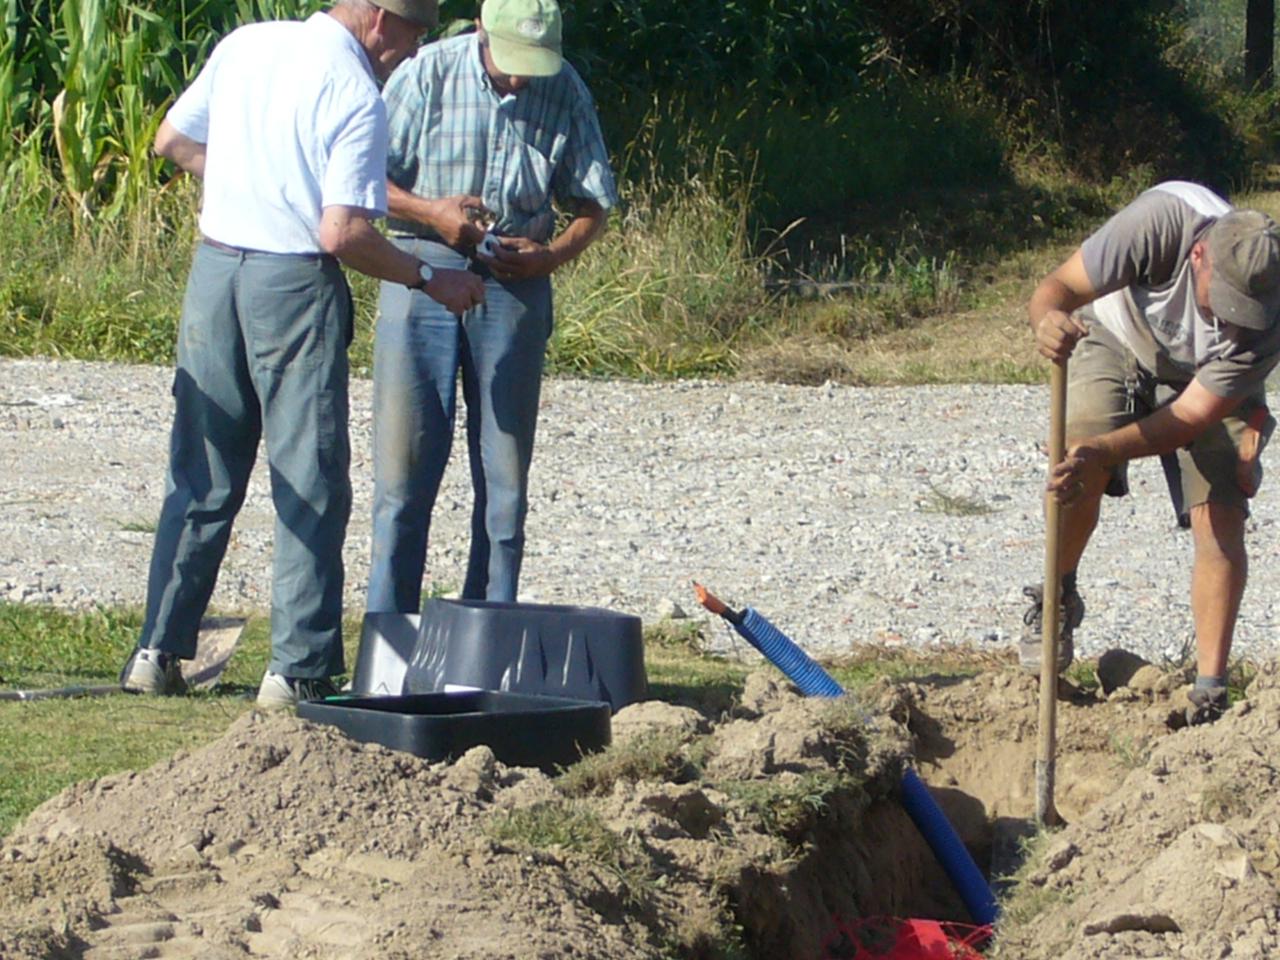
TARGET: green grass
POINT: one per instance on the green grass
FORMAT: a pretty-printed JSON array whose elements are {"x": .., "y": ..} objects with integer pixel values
[
  {"x": 685, "y": 677},
  {"x": 872, "y": 663},
  {"x": 42, "y": 646},
  {"x": 47, "y": 745},
  {"x": 1132, "y": 752},
  {"x": 558, "y": 825},
  {"x": 670, "y": 756}
]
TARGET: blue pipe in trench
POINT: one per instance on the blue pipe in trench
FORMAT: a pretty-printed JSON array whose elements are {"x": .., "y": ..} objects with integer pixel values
[{"x": 924, "y": 811}]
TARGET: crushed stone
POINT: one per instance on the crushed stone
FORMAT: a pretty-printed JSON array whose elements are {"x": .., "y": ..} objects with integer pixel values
[{"x": 845, "y": 515}]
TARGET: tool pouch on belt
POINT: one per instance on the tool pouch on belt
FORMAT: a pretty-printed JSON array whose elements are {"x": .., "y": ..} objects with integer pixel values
[{"x": 1253, "y": 440}]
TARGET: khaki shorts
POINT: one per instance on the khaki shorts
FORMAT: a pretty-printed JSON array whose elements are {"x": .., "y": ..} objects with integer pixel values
[{"x": 1107, "y": 389}]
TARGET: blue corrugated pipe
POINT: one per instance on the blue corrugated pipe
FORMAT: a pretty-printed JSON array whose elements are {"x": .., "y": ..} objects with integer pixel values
[{"x": 924, "y": 811}]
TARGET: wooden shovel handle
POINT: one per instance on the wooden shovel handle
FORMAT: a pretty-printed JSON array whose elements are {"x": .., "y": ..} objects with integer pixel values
[{"x": 1046, "y": 813}]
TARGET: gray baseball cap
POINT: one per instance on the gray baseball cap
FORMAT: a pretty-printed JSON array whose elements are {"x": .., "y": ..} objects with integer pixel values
[
  {"x": 424, "y": 13},
  {"x": 1244, "y": 255}
]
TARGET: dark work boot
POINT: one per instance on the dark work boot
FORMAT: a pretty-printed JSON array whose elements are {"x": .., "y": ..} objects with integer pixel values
[
  {"x": 1070, "y": 614},
  {"x": 1207, "y": 704}
]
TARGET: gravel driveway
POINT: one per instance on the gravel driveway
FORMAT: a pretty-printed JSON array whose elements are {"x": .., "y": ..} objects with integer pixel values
[{"x": 846, "y": 515}]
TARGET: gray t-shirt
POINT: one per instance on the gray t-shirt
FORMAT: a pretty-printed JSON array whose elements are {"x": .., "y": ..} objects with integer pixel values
[{"x": 1139, "y": 263}]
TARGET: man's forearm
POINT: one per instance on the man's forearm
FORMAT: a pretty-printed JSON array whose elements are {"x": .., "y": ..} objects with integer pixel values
[
  {"x": 1172, "y": 426},
  {"x": 404, "y": 205},
  {"x": 587, "y": 224},
  {"x": 357, "y": 243},
  {"x": 1052, "y": 294}
]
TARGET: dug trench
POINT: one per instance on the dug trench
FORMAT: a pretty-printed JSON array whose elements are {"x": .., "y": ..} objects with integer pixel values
[{"x": 751, "y": 834}]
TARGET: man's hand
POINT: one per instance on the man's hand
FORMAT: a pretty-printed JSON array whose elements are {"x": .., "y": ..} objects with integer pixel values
[
  {"x": 1084, "y": 470},
  {"x": 449, "y": 218},
  {"x": 1057, "y": 334},
  {"x": 1253, "y": 438},
  {"x": 456, "y": 290},
  {"x": 519, "y": 258},
  {"x": 1059, "y": 295}
]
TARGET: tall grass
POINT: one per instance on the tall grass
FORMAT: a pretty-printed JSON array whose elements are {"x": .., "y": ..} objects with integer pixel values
[
  {"x": 818, "y": 155},
  {"x": 110, "y": 293},
  {"x": 671, "y": 287},
  {"x": 894, "y": 154}
]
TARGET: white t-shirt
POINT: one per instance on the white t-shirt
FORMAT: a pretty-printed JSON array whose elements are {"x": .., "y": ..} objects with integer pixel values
[
  {"x": 292, "y": 122},
  {"x": 1139, "y": 262}
]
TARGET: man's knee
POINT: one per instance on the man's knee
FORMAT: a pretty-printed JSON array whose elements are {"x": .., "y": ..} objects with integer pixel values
[{"x": 1218, "y": 529}]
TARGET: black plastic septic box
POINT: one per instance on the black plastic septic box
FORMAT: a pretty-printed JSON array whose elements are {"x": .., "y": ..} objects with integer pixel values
[
  {"x": 584, "y": 653},
  {"x": 522, "y": 730}
]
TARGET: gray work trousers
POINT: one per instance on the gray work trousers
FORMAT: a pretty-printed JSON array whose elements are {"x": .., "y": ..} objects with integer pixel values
[{"x": 262, "y": 353}]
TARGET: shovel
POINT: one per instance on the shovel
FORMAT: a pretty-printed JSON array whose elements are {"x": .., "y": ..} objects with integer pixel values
[
  {"x": 215, "y": 643},
  {"x": 1046, "y": 813}
]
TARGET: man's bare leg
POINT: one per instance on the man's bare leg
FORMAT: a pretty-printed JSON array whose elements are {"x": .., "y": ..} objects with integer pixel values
[{"x": 1218, "y": 579}]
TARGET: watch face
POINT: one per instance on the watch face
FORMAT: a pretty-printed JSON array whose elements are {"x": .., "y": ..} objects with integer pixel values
[{"x": 425, "y": 272}]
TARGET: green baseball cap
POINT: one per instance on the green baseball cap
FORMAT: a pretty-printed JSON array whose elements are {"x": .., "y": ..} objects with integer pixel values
[
  {"x": 421, "y": 13},
  {"x": 524, "y": 36},
  {"x": 1244, "y": 256}
]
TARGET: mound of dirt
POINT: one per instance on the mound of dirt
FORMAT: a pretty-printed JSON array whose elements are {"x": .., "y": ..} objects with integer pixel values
[
  {"x": 753, "y": 834},
  {"x": 1181, "y": 861},
  {"x": 287, "y": 839}
]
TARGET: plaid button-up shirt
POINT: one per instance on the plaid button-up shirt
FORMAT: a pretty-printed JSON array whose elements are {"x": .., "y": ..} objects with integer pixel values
[{"x": 452, "y": 133}]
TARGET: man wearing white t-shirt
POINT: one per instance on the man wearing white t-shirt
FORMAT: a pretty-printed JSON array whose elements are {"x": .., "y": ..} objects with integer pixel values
[
  {"x": 1169, "y": 312},
  {"x": 286, "y": 128}
]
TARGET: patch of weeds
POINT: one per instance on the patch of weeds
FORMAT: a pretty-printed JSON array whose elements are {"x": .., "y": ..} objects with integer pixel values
[
  {"x": 1224, "y": 800},
  {"x": 709, "y": 684},
  {"x": 1084, "y": 674},
  {"x": 554, "y": 825},
  {"x": 787, "y": 804},
  {"x": 1239, "y": 675},
  {"x": 1025, "y": 904},
  {"x": 954, "y": 505},
  {"x": 707, "y": 933},
  {"x": 869, "y": 663},
  {"x": 569, "y": 827},
  {"x": 663, "y": 755},
  {"x": 1130, "y": 751},
  {"x": 844, "y": 730},
  {"x": 1031, "y": 902},
  {"x": 138, "y": 526},
  {"x": 686, "y": 635}
]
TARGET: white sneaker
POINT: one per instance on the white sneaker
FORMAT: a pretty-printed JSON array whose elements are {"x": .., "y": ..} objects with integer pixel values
[
  {"x": 276, "y": 692},
  {"x": 154, "y": 672}
]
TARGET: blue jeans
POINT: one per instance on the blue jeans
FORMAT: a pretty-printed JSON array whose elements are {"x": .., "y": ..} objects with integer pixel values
[
  {"x": 420, "y": 348},
  {"x": 262, "y": 352}
]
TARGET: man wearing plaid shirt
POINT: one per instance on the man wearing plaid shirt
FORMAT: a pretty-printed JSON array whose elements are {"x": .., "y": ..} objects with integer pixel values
[{"x": 486, "y": 130}]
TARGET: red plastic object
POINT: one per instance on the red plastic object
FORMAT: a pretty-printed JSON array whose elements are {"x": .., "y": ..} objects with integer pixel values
[{"x": 891, "y": 938}]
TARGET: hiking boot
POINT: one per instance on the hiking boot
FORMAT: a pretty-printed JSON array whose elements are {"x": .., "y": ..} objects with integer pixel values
[
  {"x": 1070, "y": 614},
  {"x": 1207, "y": 705},
  {"x": 154, "y": 672},
  {"x": 278, "y": 691}
]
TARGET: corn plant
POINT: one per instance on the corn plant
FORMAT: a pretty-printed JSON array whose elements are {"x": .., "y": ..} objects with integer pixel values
[{"x": 80, "y": 114}]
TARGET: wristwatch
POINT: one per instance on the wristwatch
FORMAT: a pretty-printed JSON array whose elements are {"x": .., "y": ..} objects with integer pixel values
[{"x": 425, "y": 273}]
